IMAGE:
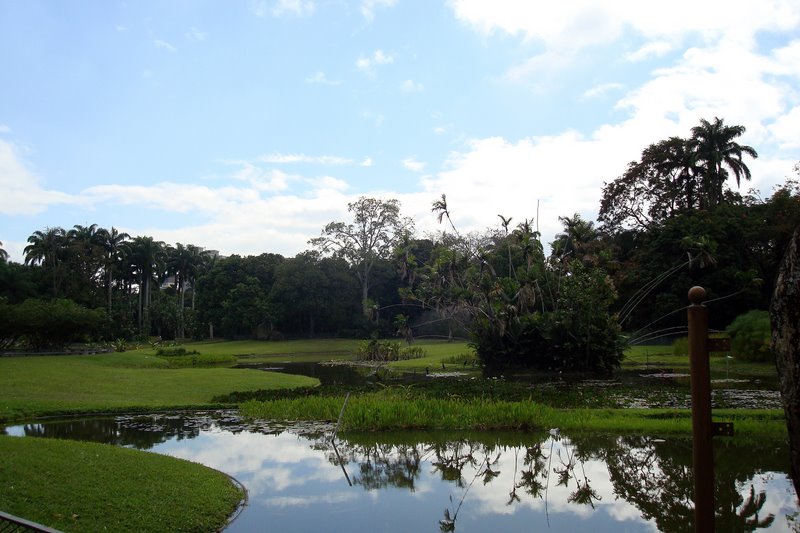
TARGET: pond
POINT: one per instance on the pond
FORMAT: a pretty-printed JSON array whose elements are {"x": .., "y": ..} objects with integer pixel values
[{"x": 298, "y": 480}]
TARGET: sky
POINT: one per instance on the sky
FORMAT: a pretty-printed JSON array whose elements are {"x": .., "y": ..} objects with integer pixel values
[{"x": 246, "y": 126}]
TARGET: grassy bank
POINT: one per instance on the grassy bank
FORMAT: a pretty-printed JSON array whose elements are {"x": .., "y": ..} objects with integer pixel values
[
  {"x": 77, "y": 486},
  {"x": 396, "y": 409},
  {"x": 38, "y": 386}
]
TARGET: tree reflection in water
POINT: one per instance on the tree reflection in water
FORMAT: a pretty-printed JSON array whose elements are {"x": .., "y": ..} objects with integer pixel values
[
  {"x": 578, "y": 477},
  {"x": 652, "y": 474}
]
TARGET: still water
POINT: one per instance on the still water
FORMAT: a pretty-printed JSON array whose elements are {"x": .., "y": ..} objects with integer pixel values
[{"x": 298, "y": 480}]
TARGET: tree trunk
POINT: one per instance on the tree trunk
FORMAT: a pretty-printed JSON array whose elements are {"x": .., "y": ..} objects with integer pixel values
[{"x": 785, "y": 318}]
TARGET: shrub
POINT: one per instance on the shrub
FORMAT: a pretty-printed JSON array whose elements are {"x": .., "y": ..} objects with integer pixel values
[
  {"x": 680, "y": 346},
  {"x": 750, "y": 336},
  {"x": 377, "y": 350},
  {"x": 173, "y": 351}
]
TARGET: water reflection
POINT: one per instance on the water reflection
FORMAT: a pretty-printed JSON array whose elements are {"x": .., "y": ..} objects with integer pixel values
[{"x": 299, "y": 480}]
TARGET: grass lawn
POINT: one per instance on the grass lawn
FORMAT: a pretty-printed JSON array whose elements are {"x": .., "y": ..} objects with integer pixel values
[
  {"x": 46, "y": 385},
  {"x": 79, "y": 486},
  {"x": 273, "y": 351}
]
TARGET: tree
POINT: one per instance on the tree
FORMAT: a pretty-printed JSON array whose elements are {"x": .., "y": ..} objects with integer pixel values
[
  {"x": 716, "y": 151},
  {"x": 112, "y": 242},
  {"x": 147, "y": 258},
  {"x": 376, "y": 229},
  {"x": 47, "y": 248},
  {"x": 675, "y": 175},
  {"x": 3, "y": 253},
  {"x": 183, "y": 262},
  {"x": 785, "y": 320},
  {"x": 521, "y": 309}
]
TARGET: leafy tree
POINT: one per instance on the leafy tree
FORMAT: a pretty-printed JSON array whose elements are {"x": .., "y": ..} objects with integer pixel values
[
  {"x": 750, "y": 336},
  {"x": 675, "y": 175},
  {"x": 3, "y": 253},
  {"x": 521, "y": 308},
  {"x": 47, "y": 324},
  {"x": 16, "y": 282},
  {"x": 374, "y": 233}
]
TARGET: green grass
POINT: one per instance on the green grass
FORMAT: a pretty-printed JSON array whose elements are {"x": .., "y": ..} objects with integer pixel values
[
  {"x": 637, "y": 357},
  {"x": 400, "y": 408},
  {"x": 295, "y": 350},
  {"x": 37, "y": 386},
  {"x": 437, "y": 353},
  {"x": 78, "y": 486}
]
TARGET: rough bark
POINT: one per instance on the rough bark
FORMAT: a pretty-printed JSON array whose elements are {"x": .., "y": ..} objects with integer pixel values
[{"x": 785, "y": 319}]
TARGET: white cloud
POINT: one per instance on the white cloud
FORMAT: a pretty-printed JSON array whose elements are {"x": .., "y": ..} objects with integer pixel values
[
  {"x": 410, "y": 86},
  {"x": 368, "y": 7},
  {"x": 366, "y": 64},
  {"x": 565, "y": 28},
  {"x": 293, "y": 7},
  {"x": 320, "y": 78},
  {"x": 439, "y": 130},
  {"x": 23, "y": 193},
  {"x": 652, "y": 49},
  {"x": 196, "y": 34},
  {"x": 4, "y": 129},
  {"x": 263, "y": 180},
  {"x": 600, "y": 90},
  {"x": 367, "y": 162},
  {"x": 785, "y": 129},
  {"x": 279, "y": 158},
  {"x": 496, "y": 176},
  {"x": 164, "y": 45},
  {"x": 583, "y": 23},
  {"x": 413, "y": 165},
  {"x": 121, "y": 28}
]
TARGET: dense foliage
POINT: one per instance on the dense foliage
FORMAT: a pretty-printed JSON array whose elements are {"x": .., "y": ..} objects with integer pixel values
[{"x": 751, "y": 336}]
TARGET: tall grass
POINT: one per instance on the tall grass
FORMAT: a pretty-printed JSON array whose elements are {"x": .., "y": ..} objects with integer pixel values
[{"x": 393, "y": 410}]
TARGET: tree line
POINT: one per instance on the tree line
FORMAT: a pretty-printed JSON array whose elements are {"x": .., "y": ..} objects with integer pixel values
[{"x": 668, "y": 222}]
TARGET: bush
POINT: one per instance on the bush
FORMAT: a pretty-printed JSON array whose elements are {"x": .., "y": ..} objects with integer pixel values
[
  {"x": 377, "y": 350},
  {"x": 680, "y": 346},
  {"x": 750, "y": 336},
  {"x": 48, "y": 324},
  {"x": 175, "y": 351}
]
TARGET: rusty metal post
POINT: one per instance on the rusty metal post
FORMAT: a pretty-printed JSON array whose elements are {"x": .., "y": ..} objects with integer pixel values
[{"x": 702, "y": 451}]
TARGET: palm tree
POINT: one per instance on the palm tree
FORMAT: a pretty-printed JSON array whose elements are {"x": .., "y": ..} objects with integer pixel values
[
  {"x": 113, "y": 243},
  {"x": 717, "y": 152},
  {"x": 147, "y": 257},
  {"x": 184, "y": 263},
  {"x": 47, "y": 248},
  {"x": 85, "y": 256},
  {"x": 3, "y": 253}
]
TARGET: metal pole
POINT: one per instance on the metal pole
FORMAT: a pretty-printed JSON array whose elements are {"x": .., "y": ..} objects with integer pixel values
[{"x": 702, "y": 451}]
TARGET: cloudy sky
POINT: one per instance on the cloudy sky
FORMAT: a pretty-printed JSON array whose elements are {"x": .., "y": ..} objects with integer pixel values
[{"x": 247, "y": 126}]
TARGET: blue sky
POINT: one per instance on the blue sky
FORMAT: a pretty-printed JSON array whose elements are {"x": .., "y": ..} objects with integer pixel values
[{"x": 247, "y": 126}]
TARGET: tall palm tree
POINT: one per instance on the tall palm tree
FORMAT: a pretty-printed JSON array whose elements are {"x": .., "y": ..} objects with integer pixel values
[
  {"x": 3, "y": 254},
  {"x": 184, "y": 263},
  {"x": 113, "y": 243},
  {"x": 147, "y": 257},
  {"x": 47, "y": 248},
  {"x": 85, "y": 256},
  {"x": 716, "y": 150}
]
